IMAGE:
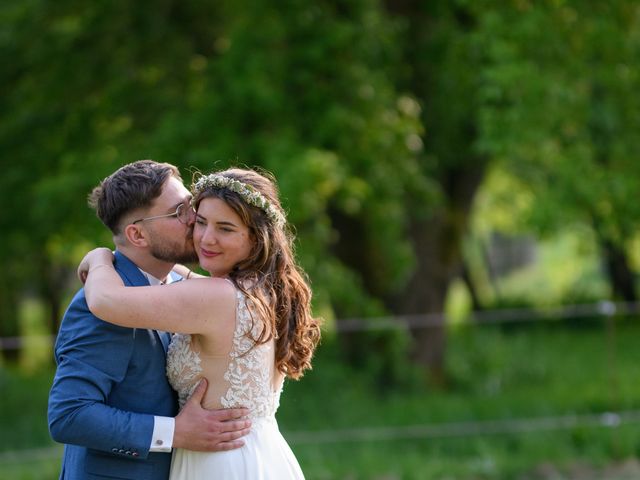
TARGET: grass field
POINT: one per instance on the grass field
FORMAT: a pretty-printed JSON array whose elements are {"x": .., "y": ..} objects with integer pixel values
[{"x": 496, "y": 374}]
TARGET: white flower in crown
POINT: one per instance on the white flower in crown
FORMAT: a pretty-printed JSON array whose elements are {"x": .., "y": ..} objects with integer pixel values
[{"x": 246, "y": 191}]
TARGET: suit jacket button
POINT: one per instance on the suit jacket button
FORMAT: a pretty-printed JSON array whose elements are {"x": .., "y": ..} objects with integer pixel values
[
  {"x": 127, "y": 452},
  {"x": 134, "y": 454},
  {"x": 121, "y": 451}
]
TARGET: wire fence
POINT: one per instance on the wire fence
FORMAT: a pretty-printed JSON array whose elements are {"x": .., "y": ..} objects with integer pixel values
[
  {"x": 467, "y": 429},
  {"x": 605, "y": 309},
  {"x": 512, "y": 426},
  {"x": 609, "y": 419}
]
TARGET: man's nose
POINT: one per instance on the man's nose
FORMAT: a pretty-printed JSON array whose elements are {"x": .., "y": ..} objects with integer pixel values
[{"x": 191, "y": 218}]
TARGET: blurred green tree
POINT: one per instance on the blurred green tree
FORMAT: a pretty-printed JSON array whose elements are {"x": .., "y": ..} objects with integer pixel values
[
  {"x": 294, "y": 88},
  {"x": 379, "y": 120},
  {"x": 439, "y": 64},
  {"x": 84, "y": 86},
  {"x": 559, "y": 111}
]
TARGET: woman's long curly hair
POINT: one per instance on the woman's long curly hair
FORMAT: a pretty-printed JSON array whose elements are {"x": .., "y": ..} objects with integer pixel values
[{"x": 270, "y": 277}]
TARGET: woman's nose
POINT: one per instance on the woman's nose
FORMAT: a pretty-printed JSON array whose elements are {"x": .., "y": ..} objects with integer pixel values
[{"x": 209, "y": 236}]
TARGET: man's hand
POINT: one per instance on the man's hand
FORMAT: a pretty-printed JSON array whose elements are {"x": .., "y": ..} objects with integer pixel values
[{"x": 209, "y": 430}]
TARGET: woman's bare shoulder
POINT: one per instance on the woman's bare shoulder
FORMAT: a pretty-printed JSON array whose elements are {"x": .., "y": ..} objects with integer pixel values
[{"x": 217, "y": 294}]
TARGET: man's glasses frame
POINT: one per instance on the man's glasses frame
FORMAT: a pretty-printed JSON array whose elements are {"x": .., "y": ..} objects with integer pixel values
[{"x": 183, "y": 213}]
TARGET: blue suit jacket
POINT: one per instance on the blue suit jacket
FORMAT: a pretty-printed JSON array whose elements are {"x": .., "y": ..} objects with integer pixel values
[{"x": 109, "y": 384}]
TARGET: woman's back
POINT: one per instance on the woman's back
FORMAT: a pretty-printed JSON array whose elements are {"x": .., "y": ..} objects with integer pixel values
[{"x": 239, "y": 373}]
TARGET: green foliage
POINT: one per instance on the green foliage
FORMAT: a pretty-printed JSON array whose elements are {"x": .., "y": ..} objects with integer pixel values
[
  {"x": 26, "y": 397},
  {"x": 379, "y": 120},
  {"x": 299, "y": 90},
  {"x": 563, "y": 118},
  {"x": 302, "y": 92}
]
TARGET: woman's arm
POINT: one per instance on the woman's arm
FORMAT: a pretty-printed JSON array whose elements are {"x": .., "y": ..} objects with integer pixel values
[{"x": 187, "y": 307}]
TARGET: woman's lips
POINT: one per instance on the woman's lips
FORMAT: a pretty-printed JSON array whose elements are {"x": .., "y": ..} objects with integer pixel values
[{"x": 208, "y": 254}]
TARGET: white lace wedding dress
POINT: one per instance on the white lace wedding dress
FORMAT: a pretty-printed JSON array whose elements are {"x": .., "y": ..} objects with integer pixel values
[{"x": 249, "y": 380}]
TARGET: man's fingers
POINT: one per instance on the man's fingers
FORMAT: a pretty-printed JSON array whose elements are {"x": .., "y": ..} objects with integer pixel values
[
  {"x": 198, "y": 393},
  {"x": 234, "y": 435},
  {"x": 223, "y": 446},
  {"x": 236, "y": 425},
  {"x": 230, "y": 414}
]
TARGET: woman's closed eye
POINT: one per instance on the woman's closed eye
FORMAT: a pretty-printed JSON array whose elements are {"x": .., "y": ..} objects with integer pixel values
[{"x": 221, "y": 227}]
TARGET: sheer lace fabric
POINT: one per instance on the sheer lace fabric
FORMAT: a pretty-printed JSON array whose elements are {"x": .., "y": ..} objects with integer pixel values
[
  {"x": 250, "y": 378},
  {"x": 183, "y": 367},
  {"x": 239, "y": 374}
]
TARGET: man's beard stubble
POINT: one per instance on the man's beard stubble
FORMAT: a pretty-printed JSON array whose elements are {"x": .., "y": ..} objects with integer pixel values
[{"x": 173, "y": 252}]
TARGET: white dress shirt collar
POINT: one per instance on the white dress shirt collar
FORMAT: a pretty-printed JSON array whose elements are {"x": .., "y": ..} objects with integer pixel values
[{"x": 156, "y": 281}]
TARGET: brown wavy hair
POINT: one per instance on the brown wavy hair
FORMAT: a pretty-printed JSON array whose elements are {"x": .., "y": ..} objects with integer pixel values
[{"x": 270, "y": 277}]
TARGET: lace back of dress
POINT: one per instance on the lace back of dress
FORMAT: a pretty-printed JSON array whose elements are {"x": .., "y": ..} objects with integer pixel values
[
  {"x": 253, "y": 381},
  {"x": 183, "y": 367}
]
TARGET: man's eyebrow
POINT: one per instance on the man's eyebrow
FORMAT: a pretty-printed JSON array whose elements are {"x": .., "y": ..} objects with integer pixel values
[
  {"x": 173, "y": 208},
  {"x": 184, "y": 202}
]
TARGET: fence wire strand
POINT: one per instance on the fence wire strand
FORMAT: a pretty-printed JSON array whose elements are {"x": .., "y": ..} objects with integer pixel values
[
  {"x": 425, "y": 431},
  {"x": 513, "y": 426},
  {"x": 467, "y": 429},
  {"x": 603, "y": 308}
]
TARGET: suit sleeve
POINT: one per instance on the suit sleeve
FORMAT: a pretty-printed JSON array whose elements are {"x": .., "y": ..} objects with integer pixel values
[{"x": 92, "y": 357}]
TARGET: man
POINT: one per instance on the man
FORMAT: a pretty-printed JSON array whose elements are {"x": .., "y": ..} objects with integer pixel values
[{"x": 110, "y": 403}]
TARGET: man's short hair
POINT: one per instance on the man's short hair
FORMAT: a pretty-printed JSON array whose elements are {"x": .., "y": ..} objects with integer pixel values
[{"x": 135, "y": 185}]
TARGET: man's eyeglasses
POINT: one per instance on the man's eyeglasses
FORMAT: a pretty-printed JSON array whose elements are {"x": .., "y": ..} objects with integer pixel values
[{"x": 183, "y": 213}]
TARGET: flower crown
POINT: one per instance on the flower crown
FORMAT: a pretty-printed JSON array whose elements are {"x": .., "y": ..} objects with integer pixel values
[{"x": 248, "y": 193}]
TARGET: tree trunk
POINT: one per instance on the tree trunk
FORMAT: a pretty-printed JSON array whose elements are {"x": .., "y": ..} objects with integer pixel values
[
  {"x": 51, "y": 285},
  {"x": 467, "y": 278},
  {"x": 621, "y": 277},
  {"x": 438, "y": 261},
  {"x": 9, "y": 324},
  {"x": 54, "y": 304},
  {"x": 437, "y": 243}
]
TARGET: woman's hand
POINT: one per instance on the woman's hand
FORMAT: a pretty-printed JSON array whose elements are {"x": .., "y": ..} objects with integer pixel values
[
  {"x": 94, "y": 259},
  {"x": 185, "y": 273}
]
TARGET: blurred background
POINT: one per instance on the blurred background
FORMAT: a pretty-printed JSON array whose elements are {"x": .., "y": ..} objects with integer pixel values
[{"x": 463, "y": 179}]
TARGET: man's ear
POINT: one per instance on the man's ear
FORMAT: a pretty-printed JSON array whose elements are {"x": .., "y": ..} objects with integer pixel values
[{"x": 135, "y": 235}]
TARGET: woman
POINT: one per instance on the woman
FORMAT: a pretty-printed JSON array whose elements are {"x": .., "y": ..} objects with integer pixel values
[{"x": 244, "y": 329}]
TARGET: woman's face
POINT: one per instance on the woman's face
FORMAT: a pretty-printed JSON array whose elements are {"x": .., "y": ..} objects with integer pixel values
[{"x": 220, "y": 237}]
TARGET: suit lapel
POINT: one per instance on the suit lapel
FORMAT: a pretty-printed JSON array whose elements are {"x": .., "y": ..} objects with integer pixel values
[
  {"x": 130, "y": 273},
  {"x": 133, "y": 277},
  {"x": 165, "y": 338}
]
